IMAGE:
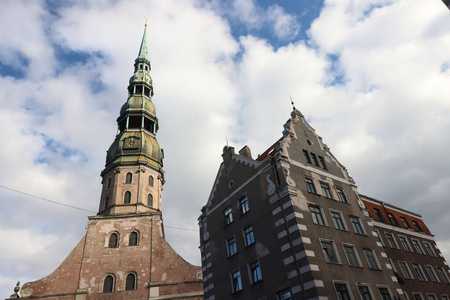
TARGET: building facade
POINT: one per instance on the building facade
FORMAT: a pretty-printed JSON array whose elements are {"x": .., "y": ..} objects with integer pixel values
[
  {"x": 124, "y": 254},
  {"x": 419, "y": 265},
  {"x": 291, "y": 224}
]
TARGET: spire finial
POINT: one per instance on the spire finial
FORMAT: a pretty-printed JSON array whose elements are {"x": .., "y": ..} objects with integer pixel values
[
  {"x": 292, "y": 102},
  {"x": 143, "y": 52}
]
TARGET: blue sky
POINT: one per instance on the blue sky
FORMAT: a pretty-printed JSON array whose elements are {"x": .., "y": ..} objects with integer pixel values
[{"x": 372, "y": 82}]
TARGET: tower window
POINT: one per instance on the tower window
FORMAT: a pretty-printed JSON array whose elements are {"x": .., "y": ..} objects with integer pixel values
[
  {"x": 138, "y": 89},
  {"x": 128, "y": 177},
  {"x": 135, "y": 122},
  {"x": 130, "y": 282},
  {"x": 106, "y": 202},
  {"x": 151, "y": 181},
  {"x": 113, "y": 240},
  {"x": 148, "y": 125},
  {"x": 150, "y": 200},
  {"x": 108, "y": 284},
  {"x": 122, "y": 124},
  {"x": 134, "y": 239},
  {"x": 127, "y": 197},
  {"x": 109, "y": 182},
  {"x": 140, "y": 67},
  {"x": 146, "y": 91}
]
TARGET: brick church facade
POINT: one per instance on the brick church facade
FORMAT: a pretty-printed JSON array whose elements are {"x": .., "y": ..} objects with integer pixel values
[{"x": 124, "y": 254}]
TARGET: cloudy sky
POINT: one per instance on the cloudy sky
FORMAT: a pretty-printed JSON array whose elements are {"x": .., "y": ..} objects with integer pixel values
[{"x": 371, "y": 76}]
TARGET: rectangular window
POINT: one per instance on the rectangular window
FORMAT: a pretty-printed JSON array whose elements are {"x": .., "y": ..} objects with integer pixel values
[
  {"x": 337, "y": 220},
  {"x": 322, "y": 163},
  {"x": 384, "y": 292},
  {"x": 432, "y": 297},
  {"x": 228, "y": 216},
  {"x": 329, "y": 252},
  {"x": 341, "y": 195},
  {"x": 405, "y": 243},
  {"x": 249, "y": 237},
  {"x": 342, "y": 291},
  {"x": 379, "y": 215},
  {"x": 405, "y": 222},
  {"x": 315, "y": 161},
  {"x": 417, "y": 296},
  {"x": 232, "y": 248},
  {"x": 443, "y": 275},
  {"x": 325, "y": 189},
  {"x": 256, "y": 271},
  {"x": 306, "y": 154},
  {"x": 419, "y": 272},
  {"x": 357, "y": 227},
  {"x": 244, "y": 205},
  {"x": 392, "y": 219},
  {"x": 431, "y": 273},
  {"x": 364, "y": 292},
  {"x": 317, "y": 216},
  {"x": 371, "y": 259},
  {"x": 391, "y": 240},
  {"x": 237, "y": 283},
  {"x": 418, "y": 247},
  {"x": 429, "y": 249},
  {"x": 417, "y": 226},
  {"x": 310, "y": 185},
  {"x": 351, "y": 255},
  {"x": 286, "y": 295},
  {"x": 444, "y": 297},
  {"x": 405, "y": 270}
]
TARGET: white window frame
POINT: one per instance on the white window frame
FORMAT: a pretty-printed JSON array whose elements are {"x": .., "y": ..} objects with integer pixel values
[
  {"x": 321, "y": 213},
  {"x": 341, "y": 217},
  {"x": 356, "y": 254},
  {"x": 431, "y": 275},
  {"x": 339, "y": 261},
  {"x": 417, "y": 273},
  {"x": 349, "y": 290},
  {"x": 375, "y": 257},
  {"x": 358, "y": 284},
  {"x": 395, "y": 246},
  {"x": 385, "y": 287},
  {"x": 410, "y": 249},
  {"x": 420, "y": 246},
  {"x": 407, "y": 267},
  {"x": 428, "y": 250}
]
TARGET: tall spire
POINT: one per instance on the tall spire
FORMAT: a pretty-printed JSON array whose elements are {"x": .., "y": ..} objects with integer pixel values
[{"x": 143, "y": 51}]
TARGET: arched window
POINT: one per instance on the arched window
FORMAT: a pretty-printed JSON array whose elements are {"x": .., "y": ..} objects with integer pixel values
[
  {"x": 128, "y": 177},
  {"x": 109, "y": 182},
  {"x": 127, "y": 197},
  {"x": 113, "y": 240},
  {"x": 150, "y": 200},
  {"x": 106, "y": 202},
  {"x": 151, "y": 180},
  {"x": 134, "y": 239},
  {"x": 130, "y": 282},
  {"x": 108, "y": 284}
]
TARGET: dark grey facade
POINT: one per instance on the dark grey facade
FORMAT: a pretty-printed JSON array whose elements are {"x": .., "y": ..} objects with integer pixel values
[{"x": 290, "y": 225}]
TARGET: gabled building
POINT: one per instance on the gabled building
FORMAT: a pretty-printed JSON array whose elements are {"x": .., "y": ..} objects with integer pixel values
[
  {"x": 124, "y": 254},
  {"x": 291, "y": 224},
  {"x": 419, "y": 264}
]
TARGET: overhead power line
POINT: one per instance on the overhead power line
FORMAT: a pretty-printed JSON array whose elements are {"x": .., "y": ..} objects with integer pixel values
[{"x": 76, "y": 207}]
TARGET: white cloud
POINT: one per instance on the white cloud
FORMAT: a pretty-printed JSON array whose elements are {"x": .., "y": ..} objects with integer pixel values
[{"x": 285, "y": 26}]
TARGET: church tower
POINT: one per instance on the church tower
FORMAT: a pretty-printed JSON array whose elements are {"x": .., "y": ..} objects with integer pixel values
[
  {"x": 133, "y": 176},
  {"x": 124, "y": 254}
]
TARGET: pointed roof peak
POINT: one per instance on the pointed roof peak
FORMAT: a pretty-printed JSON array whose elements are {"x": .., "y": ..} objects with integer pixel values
[{"x": 143, "y": 51}]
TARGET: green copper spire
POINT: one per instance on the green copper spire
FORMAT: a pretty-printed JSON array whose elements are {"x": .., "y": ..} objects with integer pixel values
[{"x": 143, "y": 51}]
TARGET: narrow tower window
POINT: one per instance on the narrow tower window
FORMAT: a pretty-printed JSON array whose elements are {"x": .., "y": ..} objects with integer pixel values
[
  {"x": 134, "y": 239},
  {"x": 109, "y": 182},
  {"x": 150, "y": 200},
  {"x": 108, "y": 284},
  {"x": 130, "y": 282},
  {"x": 151, "y": 180},
  {"x": 127, "y": 197},
  {"x": 128, "y": 177},
  {"x": 113, "y": 240},
  {"x": 106, "y": 202}
]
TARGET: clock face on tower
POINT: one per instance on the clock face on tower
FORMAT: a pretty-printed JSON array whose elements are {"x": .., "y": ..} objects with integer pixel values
[{"x": 131, "y": 142}]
